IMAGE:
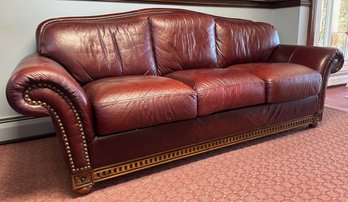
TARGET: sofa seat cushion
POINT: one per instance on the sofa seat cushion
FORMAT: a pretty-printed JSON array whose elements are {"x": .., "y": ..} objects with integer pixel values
[
  {"x": 222, "y": 89},
  {"x": 285, "y": 81},
  {"x": 131, "y": 102}
]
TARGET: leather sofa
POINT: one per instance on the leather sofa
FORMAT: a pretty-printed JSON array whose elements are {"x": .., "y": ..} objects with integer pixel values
[{"x": 133, "y": 90}]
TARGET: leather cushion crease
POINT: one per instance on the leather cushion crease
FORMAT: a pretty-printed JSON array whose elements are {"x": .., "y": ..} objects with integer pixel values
[
  {"x": 128, "y": 91},
  {"x": 222, "y": 89}
]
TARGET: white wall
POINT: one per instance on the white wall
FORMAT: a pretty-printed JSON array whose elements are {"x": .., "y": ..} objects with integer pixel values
[
  {"x": 303, "y": 25},
  {"x": 291, "y": 24},
  {"x": 19, "y": 18}
]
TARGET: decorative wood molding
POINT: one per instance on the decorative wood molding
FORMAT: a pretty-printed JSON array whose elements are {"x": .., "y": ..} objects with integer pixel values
[
  {"x": 232, "y": 3},
  {"x": 107, "y": 172},
  {"x": 311, "y": 23}
]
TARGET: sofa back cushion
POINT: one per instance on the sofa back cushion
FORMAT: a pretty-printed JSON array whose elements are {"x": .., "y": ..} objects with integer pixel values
[
  {"x": 152, "y": 42},
  {"x": 97, "y": 49},
  {"x": 183, "y": 41},
  {"x": 242, "y": 41}
]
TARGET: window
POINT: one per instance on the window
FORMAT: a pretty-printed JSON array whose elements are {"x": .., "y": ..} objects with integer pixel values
[
  {"x": 334, "y": 24},
  {"x": 332, "y": 30}
]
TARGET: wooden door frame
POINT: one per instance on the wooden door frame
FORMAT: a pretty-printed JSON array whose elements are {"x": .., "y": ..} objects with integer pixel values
[{"x": 311, "y": 22}]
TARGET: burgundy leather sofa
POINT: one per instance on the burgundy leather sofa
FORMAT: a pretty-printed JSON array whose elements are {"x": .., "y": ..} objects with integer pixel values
[{"x": 134, "y": 90}]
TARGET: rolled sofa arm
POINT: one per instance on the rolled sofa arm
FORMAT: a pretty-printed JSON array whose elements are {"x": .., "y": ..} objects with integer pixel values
[
  {"x": 40, "y": 87},
  {"x": 325, "y": 60}
]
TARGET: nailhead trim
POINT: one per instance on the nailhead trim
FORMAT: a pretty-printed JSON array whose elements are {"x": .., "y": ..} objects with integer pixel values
[
  {"x": 100, "y": 18},
  {"x": 325, "y": 81},
  {"x": 105, "y": 18},
  {"x": 59, "y": 121}
]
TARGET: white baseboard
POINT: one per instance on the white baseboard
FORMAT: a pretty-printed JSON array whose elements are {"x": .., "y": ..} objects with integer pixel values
[
  {"x": 18, "y": 128},
  {"x": 338, "y": 79}
]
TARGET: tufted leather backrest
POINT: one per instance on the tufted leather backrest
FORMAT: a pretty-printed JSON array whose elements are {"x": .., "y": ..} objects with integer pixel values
[{"x": 152, "y": 42}]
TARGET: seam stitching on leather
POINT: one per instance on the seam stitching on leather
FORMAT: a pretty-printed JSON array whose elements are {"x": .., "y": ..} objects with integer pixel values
[
  {"x": 142, "y": 98},
  {"x": 292, "y": 54},
  {"x": 227, "y": 86},
  {"x": 99, "y": 18}
]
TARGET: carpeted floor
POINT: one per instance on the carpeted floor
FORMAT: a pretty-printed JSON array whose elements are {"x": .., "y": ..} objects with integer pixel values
[
  {"x": 337, "y": 97},
  {"x": 301, "y": 165}
]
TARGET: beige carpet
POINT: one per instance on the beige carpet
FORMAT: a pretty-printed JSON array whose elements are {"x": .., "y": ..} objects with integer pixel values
[
  {"x": 337, "y": 98},
  {"x": 301, "y": 165}
]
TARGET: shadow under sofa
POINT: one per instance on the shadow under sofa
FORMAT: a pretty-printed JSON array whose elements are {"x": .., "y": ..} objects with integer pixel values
[{"x": 134, "y": 90}]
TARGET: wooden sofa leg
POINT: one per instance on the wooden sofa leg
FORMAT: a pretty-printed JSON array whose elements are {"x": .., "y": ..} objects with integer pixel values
[
  {"x": 82, "y": 183},
  {"x": 84, "y": 190},
  {"x": 318, "y": 118},
  {"x": 314, "y": 125}
]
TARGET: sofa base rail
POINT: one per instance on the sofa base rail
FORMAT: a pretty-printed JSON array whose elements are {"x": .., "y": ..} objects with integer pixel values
[{"x": 83, "y": 182}]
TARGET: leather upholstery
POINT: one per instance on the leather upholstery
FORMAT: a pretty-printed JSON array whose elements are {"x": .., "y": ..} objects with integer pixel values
[
  {"x": 222, "y": 89},
  {"x": 129, "y": 85},
  {"x": 323, "y": 60},
  {"x": 183, "y": 42},
  {"x": 37, "y": 70},
  {"x": 285, "y": 82},
  {"x": 130, "y": 102},
  {"x": 91, "y": 51},
  {"x": 246, "y": 119},
  {"x": 173, "y": 135},
  {"x": 244, "y": 41},
  {"x": 317, "y": 58}
]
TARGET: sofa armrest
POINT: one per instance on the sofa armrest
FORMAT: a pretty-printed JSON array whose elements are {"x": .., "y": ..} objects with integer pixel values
[
  {"x": 325, "y": 60},
  {"x": 40, "y": 87}
]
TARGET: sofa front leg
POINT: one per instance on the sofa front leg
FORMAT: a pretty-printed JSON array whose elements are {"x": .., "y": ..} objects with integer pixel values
[
  {"x": 314, "y": 125},
  {"x": 318, "y": 118},
  {"x": 82, "y": 183}
]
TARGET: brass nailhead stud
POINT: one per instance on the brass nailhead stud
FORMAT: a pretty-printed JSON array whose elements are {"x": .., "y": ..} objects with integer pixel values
[{"x": 59, "y": 121}]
